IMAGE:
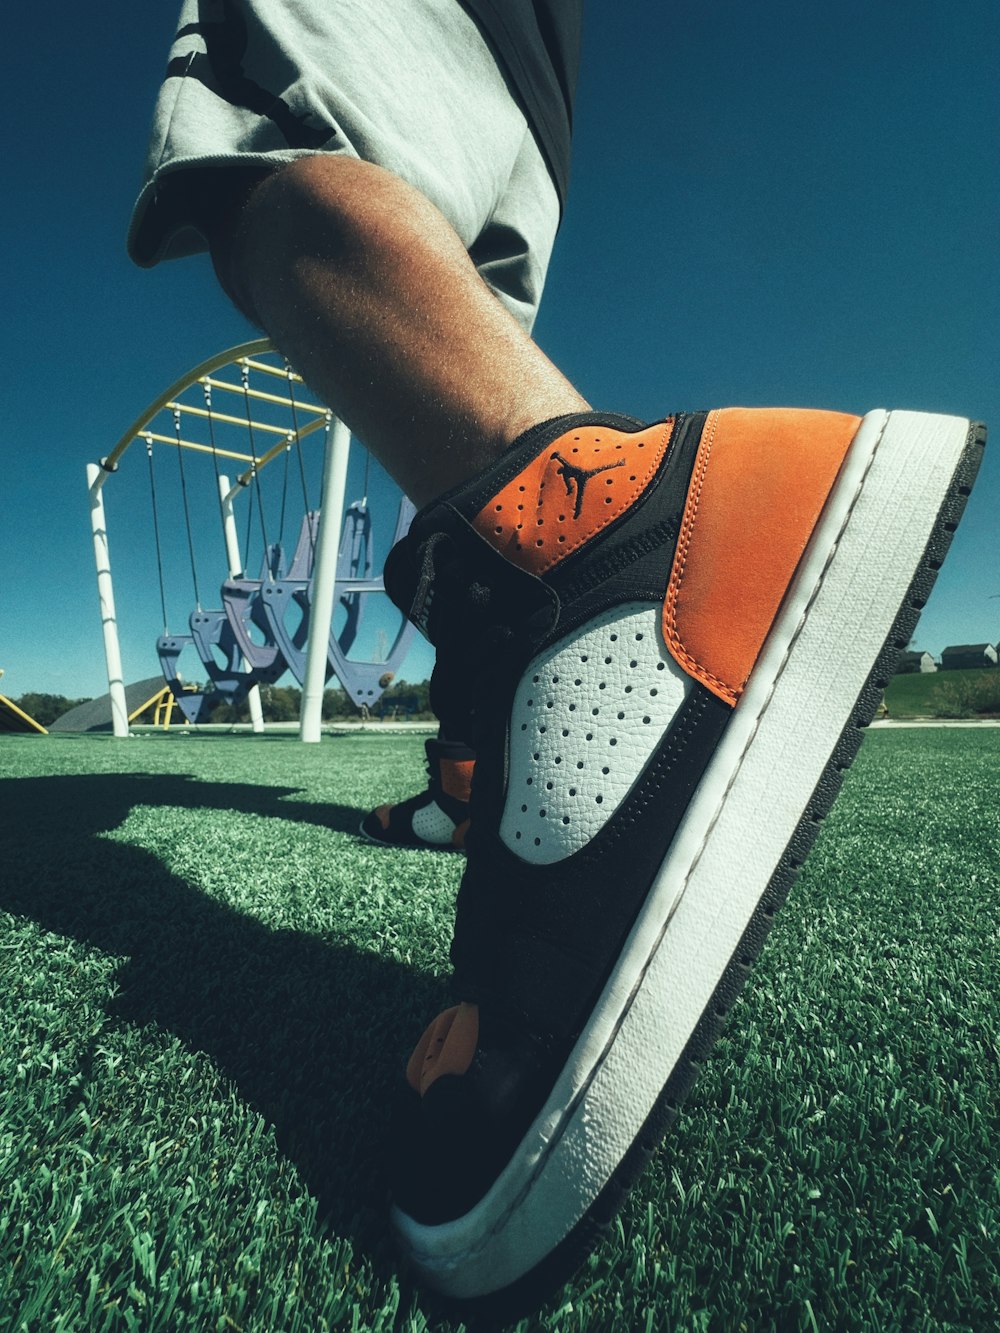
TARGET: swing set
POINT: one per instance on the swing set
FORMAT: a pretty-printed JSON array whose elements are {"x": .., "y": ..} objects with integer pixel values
[{"x": 278, "y": 608}]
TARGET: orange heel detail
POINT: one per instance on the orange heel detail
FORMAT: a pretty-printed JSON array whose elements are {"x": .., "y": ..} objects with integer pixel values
[
  {"x": 760, "y": 481},
  {"x": 447, "y": 1047}
]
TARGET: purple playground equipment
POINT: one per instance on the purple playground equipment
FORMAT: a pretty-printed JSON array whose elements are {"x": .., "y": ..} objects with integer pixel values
[
  {"x": 291, "y": 644},
  {"x": 282, "y": 620},
  {"x": 243, "y": 603},
  {"x": 354, "y": 563},
  {"x": 365, "y": 681},
  {"x": 290, "y": 598},
  {"x": 231, "y": 680}
]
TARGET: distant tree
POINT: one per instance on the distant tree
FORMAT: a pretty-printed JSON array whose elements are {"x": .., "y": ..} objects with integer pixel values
[
  {"x": 286, "y": 703},
  {"x": 283, "y": 704},
  {"x": 45, "y": 708},
  {"x": 412, "y": 701},
  {"x": 229, "y": 713},
  {"x": 278, "y": 704},
  {"x": 338, "y": 703}
]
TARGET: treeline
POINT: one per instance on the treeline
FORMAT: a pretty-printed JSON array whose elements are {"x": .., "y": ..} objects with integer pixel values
[
  {"x": 282, "y": 703},
  {"x": 45, "y": 708}
]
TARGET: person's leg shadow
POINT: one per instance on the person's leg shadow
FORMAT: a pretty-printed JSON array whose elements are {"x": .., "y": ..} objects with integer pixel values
[{"x": 310, "y": 1032}]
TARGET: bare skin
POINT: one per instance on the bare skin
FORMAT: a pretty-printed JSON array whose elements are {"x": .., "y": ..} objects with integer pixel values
[{"x": 366, "y": 288}]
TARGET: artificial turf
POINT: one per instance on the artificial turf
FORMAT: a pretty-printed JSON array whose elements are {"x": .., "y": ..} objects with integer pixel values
[{"x": 208, "y": 983}]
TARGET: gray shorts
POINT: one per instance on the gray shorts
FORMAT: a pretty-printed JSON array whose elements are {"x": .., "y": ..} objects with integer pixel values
[{"x": 411, "y": 85}]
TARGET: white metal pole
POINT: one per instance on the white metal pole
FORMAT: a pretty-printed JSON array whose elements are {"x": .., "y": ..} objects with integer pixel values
[
  {"x": 235, "y": 569},
  {"x": 324, "y": 578},
  {"x": 96, "y": 477}
]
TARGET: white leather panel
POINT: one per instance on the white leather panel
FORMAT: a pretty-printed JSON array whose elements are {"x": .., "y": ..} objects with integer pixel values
[
  {"x": 587, "y": 716},
  {"x": 432, "y": 824}
]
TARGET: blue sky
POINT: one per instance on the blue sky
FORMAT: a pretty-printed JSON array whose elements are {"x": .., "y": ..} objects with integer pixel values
[{"x": 780, "y": 203}]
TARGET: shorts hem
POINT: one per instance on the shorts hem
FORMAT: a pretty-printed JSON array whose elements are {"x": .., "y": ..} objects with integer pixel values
[{"x": 164, "y": 224}]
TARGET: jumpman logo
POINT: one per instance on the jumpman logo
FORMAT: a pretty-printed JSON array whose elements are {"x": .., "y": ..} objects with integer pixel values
[{"x": 571, "y": 474}]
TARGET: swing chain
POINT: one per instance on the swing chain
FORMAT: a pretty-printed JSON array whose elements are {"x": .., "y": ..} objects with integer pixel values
[
  {"x": 187, "y": 512},
  {"x": 207, "y": 389},
  {"x": 290, "y": 377},
  {"x": 156, "y": 530},
  {"x": 245, "y": 379}
]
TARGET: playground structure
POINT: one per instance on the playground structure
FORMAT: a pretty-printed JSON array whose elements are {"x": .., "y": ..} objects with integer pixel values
[
  {"x": 276, "y": 609},
  {"x": 15, "y": 719},
  {"x": 144, "y": 696}
]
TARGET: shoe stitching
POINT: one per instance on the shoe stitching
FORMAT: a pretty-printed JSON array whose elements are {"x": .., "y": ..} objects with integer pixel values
[
  {"x": 578, "y": 539},
  {"x": 499, "y": 536},
  {"x": 671, "y": 634},
  {"x": 475, "y": 1250}
]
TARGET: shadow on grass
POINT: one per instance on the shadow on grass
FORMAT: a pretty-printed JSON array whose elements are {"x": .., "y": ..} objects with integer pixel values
[{"x": 312, "y": 1033}]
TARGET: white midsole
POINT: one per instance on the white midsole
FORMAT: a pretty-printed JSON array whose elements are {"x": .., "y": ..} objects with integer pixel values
[{"x": 846, "y": 594}]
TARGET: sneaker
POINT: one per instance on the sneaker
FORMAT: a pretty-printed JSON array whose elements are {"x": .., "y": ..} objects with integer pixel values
[
  {"x": 437, "y": 817},
  {"x": 663, "y": 642}
]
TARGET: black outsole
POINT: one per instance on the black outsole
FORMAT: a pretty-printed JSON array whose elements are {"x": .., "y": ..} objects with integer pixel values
[{"x": 525, "y": 1295}]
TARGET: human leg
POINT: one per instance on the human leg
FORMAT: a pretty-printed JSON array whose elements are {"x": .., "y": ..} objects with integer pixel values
[
  {"x": 390, "y": 87},
  {"x": 291, "y": 139},
  {"x": 369, "y": 291}
]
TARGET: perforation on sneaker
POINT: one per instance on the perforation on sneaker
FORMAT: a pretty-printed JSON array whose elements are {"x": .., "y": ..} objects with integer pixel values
[
  {"x": 587, "y": 478},
  {"x": 433, "y": 825},
  {"x": 587, "y": 716}
]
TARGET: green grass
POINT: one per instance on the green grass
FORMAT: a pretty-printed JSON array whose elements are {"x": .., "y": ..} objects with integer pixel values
[
  {"x": 207, "y": 983},
  {"x": 944, "y": 694}
]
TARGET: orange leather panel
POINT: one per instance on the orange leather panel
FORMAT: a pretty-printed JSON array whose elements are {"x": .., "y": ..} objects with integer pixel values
[
  {"x": 458, "y": 837},
  {"x": 382, "y": 815},
  {"x": 447, "y": 1047},
  {"x": 456, "y": 777},
  {"x": 760, "y": 480},
  {"x": 582, "y": 482}
]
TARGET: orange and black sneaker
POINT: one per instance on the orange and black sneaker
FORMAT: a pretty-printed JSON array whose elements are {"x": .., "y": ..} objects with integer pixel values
[
  {"x": 437, "y": 817},
  {"x": 663, "y": 642}
]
